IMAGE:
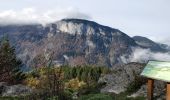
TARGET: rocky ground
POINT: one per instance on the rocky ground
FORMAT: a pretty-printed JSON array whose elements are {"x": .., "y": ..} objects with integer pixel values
[
  {"x": 14, "y": 90},
  {"x": 122, "y": 76}
]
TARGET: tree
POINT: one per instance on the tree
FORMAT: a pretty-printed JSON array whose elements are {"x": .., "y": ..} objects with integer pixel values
[{"x": 9, "y": 64}]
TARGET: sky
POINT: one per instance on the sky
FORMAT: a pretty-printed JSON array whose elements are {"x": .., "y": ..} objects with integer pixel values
[{"x": 149, "y": 18}]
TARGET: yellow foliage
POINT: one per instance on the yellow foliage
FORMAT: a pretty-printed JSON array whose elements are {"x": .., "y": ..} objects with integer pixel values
[
  {"x": 32, "y": 82},
  {"x": 43, "y": 76},
  {"x": 75, "y": 84}
]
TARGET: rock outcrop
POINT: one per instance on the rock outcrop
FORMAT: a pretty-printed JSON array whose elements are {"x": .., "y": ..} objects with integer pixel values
[
  {"x": 14, "y": 90},
  {"x": 118, "y": 80},
  {"x": 121, "y": 76}
]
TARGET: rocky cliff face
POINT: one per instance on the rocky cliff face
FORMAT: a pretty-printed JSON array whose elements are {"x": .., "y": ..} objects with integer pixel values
[
  {"x": 72, "y": 41},
  {"x": 89, "y": 42}
]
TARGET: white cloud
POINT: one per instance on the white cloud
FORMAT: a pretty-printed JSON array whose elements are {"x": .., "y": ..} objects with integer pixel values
[
  {"x": 143, "y": 55},
  {"x": 32, "y": 15}
]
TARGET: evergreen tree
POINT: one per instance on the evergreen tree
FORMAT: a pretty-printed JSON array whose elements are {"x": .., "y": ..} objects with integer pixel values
[{"x": 9, "y": 64}]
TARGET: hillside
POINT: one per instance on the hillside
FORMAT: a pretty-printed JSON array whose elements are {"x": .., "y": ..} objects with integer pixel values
[
  {"x": 147, "y": 43},
  {"x": 73, "y": 42}
]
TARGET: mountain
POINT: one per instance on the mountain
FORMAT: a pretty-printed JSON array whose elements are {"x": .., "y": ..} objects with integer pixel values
[
  {"x": 86, "y": 42},
  {"x": 147, "y": 43},
  {"x": 164, "y": 46},
  {"x": 73, "y": 42}
]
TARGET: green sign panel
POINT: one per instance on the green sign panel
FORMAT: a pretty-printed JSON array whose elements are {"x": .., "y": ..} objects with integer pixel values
[{"x": 159, "y": 70}]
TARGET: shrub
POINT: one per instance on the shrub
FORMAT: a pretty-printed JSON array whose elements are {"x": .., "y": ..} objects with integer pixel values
[
  {"x": 47, "y": 81},
  {"x": 75, "y": 84},
  {"x": 135, "y": 84}
]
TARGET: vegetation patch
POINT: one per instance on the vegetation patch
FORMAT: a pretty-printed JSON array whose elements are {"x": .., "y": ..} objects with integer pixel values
[
  {"x": 135, "y": 84},
  {"x": 96, "y": 97}
]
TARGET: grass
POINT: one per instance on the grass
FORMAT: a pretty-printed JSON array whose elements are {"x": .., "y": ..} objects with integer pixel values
[
  {"x": 96, "y": 97},
  {"x": 123, "y": 96},
  {"x": 10, "y": 98},
  {"x": 99, "y": 96}
]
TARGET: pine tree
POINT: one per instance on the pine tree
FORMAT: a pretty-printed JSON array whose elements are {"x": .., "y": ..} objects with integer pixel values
[{"x": 9, "y": 64}]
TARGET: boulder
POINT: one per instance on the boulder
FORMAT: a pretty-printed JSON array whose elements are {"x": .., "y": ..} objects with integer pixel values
[
  {"x": 159, "y": 91},
  {"x": 120, "y": 77},
  {"x": 3, "y": 86},
  {"x": 14, "y": 90},
  {"x": 118, "y": 80}
]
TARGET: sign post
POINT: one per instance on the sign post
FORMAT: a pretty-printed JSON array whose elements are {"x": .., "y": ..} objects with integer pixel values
[
  {"x": 168, "y": 91},
  {"x": 159, "y": 70},
  {"x": 150, "y": 89}
]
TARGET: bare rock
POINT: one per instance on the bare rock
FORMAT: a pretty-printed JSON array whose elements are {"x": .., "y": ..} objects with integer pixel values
[
  {"x": 14, "y": 90},
  {"x": 118, "y": 80}
]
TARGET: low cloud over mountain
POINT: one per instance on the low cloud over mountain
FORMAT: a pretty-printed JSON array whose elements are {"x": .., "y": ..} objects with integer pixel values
[
  {"x": 143, "y": 55},
  {"x": 32, "y": 15}
]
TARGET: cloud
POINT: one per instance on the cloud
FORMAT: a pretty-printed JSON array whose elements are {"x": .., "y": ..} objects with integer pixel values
[
  {"x": 32, "y": 15},
  {"x": 144, "y": 55},
  {"x": 162, "y": 39}
]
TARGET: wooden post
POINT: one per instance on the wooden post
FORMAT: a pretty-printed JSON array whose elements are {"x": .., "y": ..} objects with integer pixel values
[
  {"x": 150, "y": 89},
  {"x": 168, "y": 91}
]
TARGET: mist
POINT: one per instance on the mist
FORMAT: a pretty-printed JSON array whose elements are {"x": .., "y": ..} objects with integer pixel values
[{"x": 144, "y": 55}]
